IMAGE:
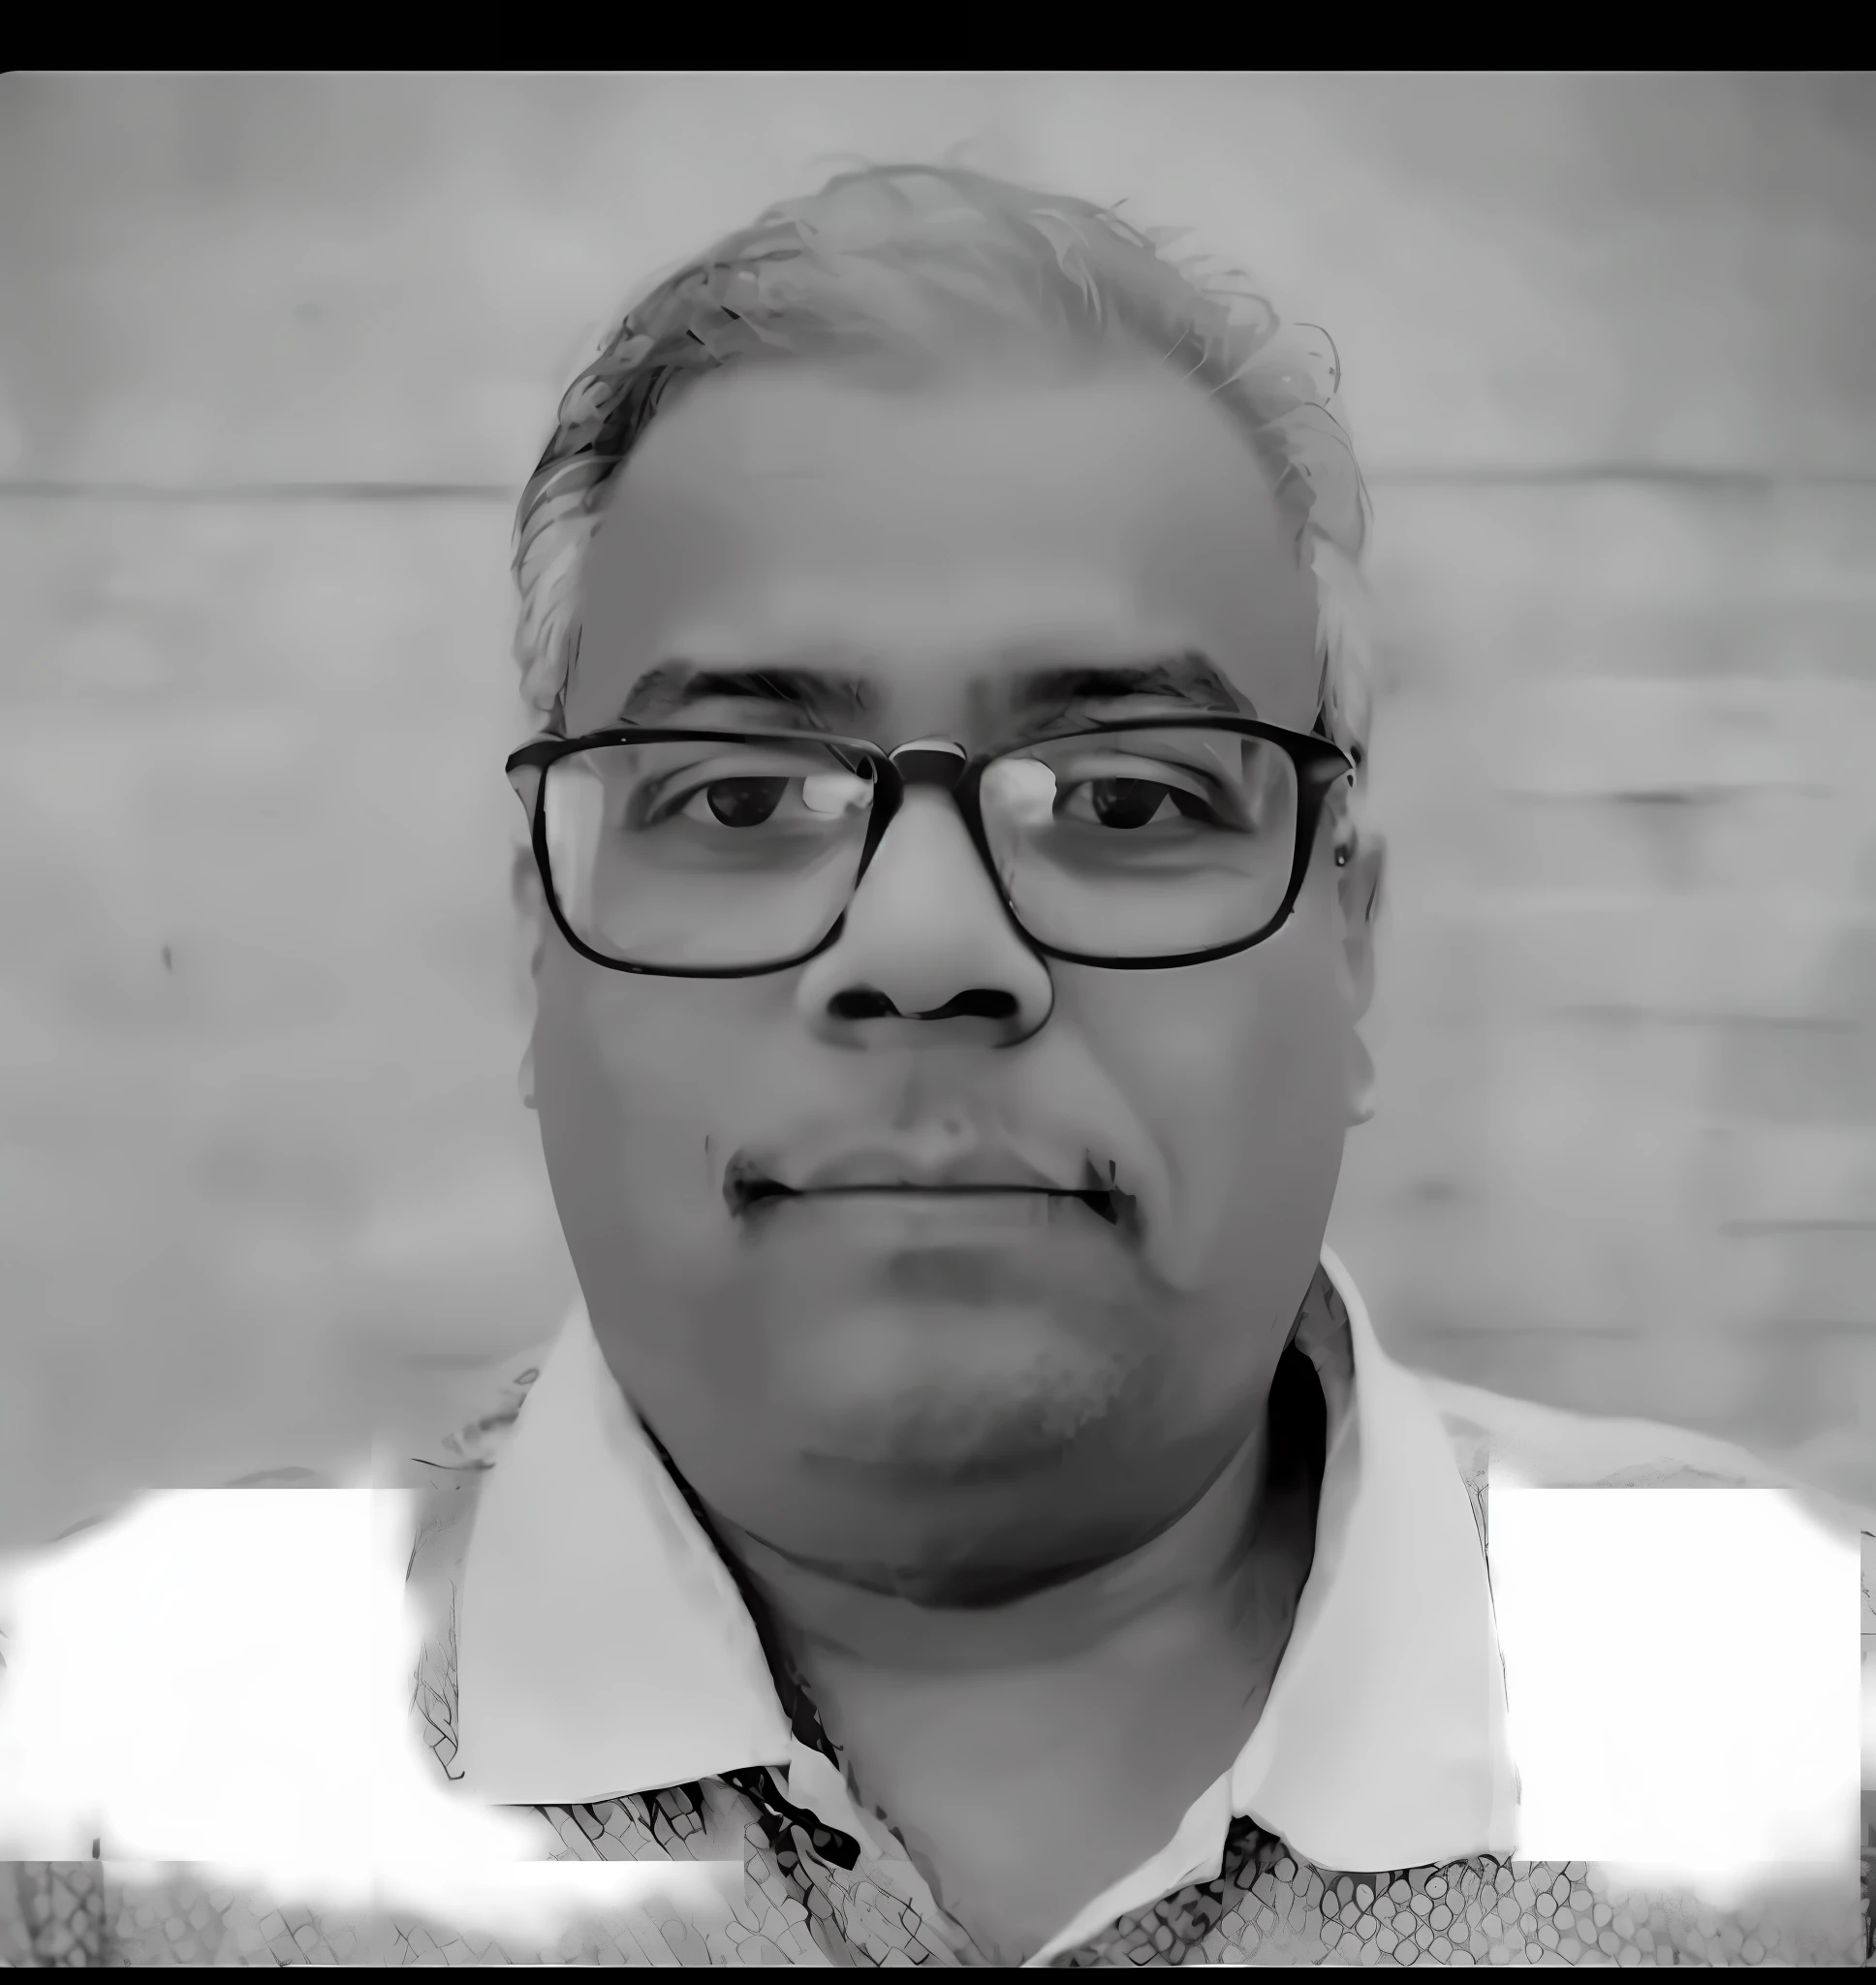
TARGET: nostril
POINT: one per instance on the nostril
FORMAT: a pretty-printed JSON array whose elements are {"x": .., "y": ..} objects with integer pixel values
[
  {"x": 979, "y": 1003},
  {"x": 862, "y": 1003}
]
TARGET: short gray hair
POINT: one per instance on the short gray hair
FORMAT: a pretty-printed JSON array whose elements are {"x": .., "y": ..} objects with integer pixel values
[{"x": 905, "y": 263}]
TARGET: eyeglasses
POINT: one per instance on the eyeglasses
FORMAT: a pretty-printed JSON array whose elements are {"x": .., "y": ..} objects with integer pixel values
[{"x": 708, "y": 854}]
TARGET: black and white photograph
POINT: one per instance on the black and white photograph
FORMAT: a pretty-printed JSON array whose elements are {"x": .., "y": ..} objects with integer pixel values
[{"x": 939, "y": 1018}]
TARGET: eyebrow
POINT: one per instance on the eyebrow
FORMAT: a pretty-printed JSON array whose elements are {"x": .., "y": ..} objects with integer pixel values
[
  {"x": 815, "y": 698},
  {"x": 1189, "y": 678},
  {"x": 820, "y": 699}
]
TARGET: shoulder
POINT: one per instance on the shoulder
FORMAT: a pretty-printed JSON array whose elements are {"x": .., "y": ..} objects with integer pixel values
[
  {"x": 467, "y": 1434},
  {"x": 448, "y": 1479},
  {"x": 446, "y": 1474},
  {"x": 494, "y": 1398},
  {"x": 191, "y": 1534},
  {"x": 1553, "y": 1447},
  {"x": 144, "y": 1629}
]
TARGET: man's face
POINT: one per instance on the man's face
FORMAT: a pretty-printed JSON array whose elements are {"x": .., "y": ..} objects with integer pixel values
[{"x": 929, "y": 1390}]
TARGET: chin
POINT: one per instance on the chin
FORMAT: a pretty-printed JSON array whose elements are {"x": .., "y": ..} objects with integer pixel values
[{"x": 957, "y": 1391}]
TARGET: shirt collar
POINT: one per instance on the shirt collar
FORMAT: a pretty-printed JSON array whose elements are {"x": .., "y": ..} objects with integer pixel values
[{"x": 603, "y": 1646}]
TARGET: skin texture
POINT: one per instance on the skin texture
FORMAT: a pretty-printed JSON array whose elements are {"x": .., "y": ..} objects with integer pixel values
[{"x": 997, "y": 1466}]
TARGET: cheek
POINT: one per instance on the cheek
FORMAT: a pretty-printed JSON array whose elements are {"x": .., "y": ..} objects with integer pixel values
[
  {"x": 1236, "y": 1070},
  {"x": 636, "y": 1081}
]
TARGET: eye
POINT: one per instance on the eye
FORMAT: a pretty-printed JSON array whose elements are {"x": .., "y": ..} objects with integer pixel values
[
  {"x": 746, "y": 800},
  {"x": 737, "y": 803},
  {"x": 1127, "y": 804}
]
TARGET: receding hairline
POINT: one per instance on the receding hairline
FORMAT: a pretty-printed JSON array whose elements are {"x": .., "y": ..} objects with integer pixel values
[
  {"x": 904, "y": 268},
  {"x": 1035, "y": 372}
]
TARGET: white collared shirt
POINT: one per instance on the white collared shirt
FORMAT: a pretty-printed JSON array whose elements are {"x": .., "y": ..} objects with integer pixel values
[
  {"x": 617, "y": 1655},
  {"x": 212, "y": 1693}
]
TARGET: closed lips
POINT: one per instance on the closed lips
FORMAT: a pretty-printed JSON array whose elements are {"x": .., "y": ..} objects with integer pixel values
[{"x": 747, "y": 1185}]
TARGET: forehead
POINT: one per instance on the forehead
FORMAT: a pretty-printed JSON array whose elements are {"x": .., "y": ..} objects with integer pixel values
[{"x": 944, "y": 543}]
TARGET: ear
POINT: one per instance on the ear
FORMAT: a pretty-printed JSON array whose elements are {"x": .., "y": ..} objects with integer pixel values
[
  {"x": 524, "y": 1075},
  {"x": 1361, "y": 858},
  {"x": 531, "y": 935}
]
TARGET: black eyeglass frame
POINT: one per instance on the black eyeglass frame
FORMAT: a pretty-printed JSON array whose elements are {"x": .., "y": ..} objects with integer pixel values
[{"x": 1320, "y": 765}]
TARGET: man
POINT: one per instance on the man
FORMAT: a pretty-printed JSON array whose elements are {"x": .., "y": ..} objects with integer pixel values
[{"x": 969, "y": 1495}]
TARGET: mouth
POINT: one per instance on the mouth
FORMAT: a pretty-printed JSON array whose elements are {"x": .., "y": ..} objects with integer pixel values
[{"x": 750, "y": 1193}]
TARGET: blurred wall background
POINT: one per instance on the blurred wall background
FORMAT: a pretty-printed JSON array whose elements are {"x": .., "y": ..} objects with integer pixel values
[{"x": 275, "y": 354}]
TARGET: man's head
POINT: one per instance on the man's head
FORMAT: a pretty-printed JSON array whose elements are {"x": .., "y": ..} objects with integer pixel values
[{"x": 936, "y": 459}]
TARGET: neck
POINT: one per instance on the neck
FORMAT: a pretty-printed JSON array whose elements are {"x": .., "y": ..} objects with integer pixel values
[{"x": 1200, "y": 1562}]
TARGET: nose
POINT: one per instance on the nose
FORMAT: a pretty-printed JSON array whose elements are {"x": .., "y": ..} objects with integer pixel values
[{"x": 928, "y": 952}]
